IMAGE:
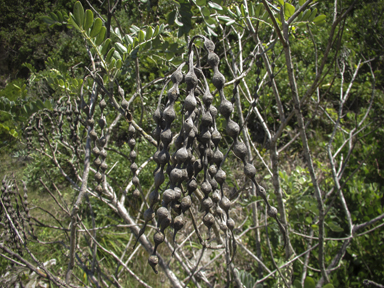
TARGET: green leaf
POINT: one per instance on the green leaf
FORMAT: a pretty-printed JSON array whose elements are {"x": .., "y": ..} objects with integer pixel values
[
  {"x": 48, "y": 20},
  {"x": 306, "y": 15},
  {"x": 72, "y": 22},
  {"x": 215, "y": 6},
  {"x": 224, "y": 18},
  {"x": 141, "y": 36},
  {"x": 230, "y": 23},
  {"x": 101, "y": 36},
  {"x": 206, "y": 12},
  {"x": 53, "y": 16},
  {"x": 243, "y": 11},
  {"x": 309, "y": 283},
  {"x": 109, "y": 55},
  {"x": 297, "y": 284},
  {"x": 281, "y": 2},
  {"x": 289, "y": 9},
  {"x": 313, "y": 15},
  {"x": 201, "y": 2},
  {"x": 60, "y": 16},
  {"x": 88, "y": 19},
  {"x": 301, "y": 2},
  {"x": 96, "y": 28},
  {"x": 308, "y": 220},
  {"x": 119, "y": 64},
  {"x": 148, "y": 33},
  {"x": 120, "y": 48},
  {"x": 78, "y": 13},
  {"x": 171, "y": 17},
  {"x": 319, "y": 19},
  {"x": 329, "y": 285},
  {"x": 157, "y": 29},
  {"x": 105, "y": 47},
  {"x": 128, "y": 39},
  {"x": 335, "y": 227}
]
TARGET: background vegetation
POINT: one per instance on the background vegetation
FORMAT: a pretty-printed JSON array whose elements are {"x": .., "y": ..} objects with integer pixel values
[{"x": 45, "y": 59}]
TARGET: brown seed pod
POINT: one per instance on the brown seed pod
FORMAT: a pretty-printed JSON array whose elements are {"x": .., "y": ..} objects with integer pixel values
[
  {"x": 272, "y": 212},
  {"x": 97, "y": 162},
  {"x": 154, "y": 197},
  {"x": 124, "y": 104},
  {"x": 152, "y": 261},
  {"x": 230, "y": 224},
  {"x": 162, "y": 213},
  {"x": 233, "y": 129},
  {"x": 240, "y": 150},
  {"x": 226, "y": 108},
  {"x": 134, "y": 167},
  {"x": 96, "y": 151},
  {"x": 103, "y": 166},
  {"x": 102, "y": 104},
  {"x": 209, "y": 220},
  {"x": 249, "y": 170},
  {"x": 159, "y": 178},
  {"x": 102, "y": 123},
  {"x": 176, "y": 175},
  {"x": 158, "y": 238},
  {"x": 131, "y": 143},
  {"x": 168, "y": 196},
  {"x": 136, "y": 193},
  {"x": 135, "y": 181},
  {"x": 90, "y": 122},
  {"x": 132, "y": 155},
  {"x": 186, "y": 203},
  {"x": 93, "y": 135},
  {"x": 220, "y": 176},
  {"x": 206, "y": 188},
  {"x": 225, "y": 204},
  {"x": 149, "y": 214},
  {"x": 216, "y": 196},
  {"x": 192, "y": 185},
  {"x": 99, "y": 189},
  {"x": 206, "y": 204},
  {"x": 98, "y": 177}
]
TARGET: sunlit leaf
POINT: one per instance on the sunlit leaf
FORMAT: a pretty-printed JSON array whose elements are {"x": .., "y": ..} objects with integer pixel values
[
  {"x": 88, "y": 19},
  {"x": 78, "y": 13},
  {"x": 289, "y": 9},
  {"x": 215, "y": 6},
  {"x": 96, "y": 28}
]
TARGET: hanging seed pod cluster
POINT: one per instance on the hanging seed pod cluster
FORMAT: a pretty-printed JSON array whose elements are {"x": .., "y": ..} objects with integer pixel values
[
  {"x": 14, "y": 214},
  {"x": 197, "y": 161}
]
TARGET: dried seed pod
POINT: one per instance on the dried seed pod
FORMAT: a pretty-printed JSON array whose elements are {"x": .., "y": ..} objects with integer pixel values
[
  {"x": 178, "y": 224},
  {"x": 181, "y": 155},
  {"x": 177, "y": 193},
  {"x": 152, "y": 261},
  {"x": 102, "y": 104},
  {"x": 93, "y": 135},
  {"x": 225, "y": 204},
  {"x": 99, "y": 189},
  {"x": 212, "y": 170},
  {"x": 209, "y": 220},
  {"x": 159, "y": 178},
  {"x": 163, "y": 157},
  {"x": 261, "y": 191},
  {"x": 272, "y": 212},
  {"x": 103, "y": 154},
  {"x": 206, "y": 188},
  {"x": 90, "y": 122},
  {"x": 104, "y": 166},
  {"x": 97, "y": 162},
  {"x": 240, "y": 150},
  {"x": 226, "y": 108},
  {"x": 162, "y": 213},
  {"x": 230, "y": 224},
  {"x": 98, "y": 177},
  {"x": 233, "y": 129},
  {"x": 134, "y": 167},
  {"x": 124, "y": 104},
  {"x": 176, "y": 175},
  {"x": 186, "y": 203},
  {"x": 96, "y": 151},
  {"x": 192, "y": 185},
  {"x": 249, "y": 170},
  {"x": 132, "y": 156},
  {"x": 168, "y": 196},
  {"x": 102, "y": 123},
  {"x": 136, "y": 193},
  {"x": 217, "y": 157},
  {"x": 154, "y": 197},
  {"x": 131, "y": 143},
  {"x": 206, "y": 204},
  {"x": 102, "y": 141},
  {"x": 220, "y": 176},
  {"x": 164, "y": 224},
  {"x": 135, "y": 181},
  {"x": 158, "y": 238},
  {"x": 149, "y": 214}
]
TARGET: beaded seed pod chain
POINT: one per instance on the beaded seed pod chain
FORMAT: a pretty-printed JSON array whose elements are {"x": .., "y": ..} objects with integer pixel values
[{"x": 196, "y": 152}]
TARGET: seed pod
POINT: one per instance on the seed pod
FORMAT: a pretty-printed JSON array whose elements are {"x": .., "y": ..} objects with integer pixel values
[
  {"x": 218, "y": 79},
  {"x": 162, "y": 213},
  {"x": 206, "y": 188},
  {"x": 240, "y": 150},
  {"x": 136, "y": 193},
  {"x": 99, "y": 189},
  {"x": 233, "y": 129},
  {"x": 197, "y": 166},
  {"x": 102, "y": 123},
  {"x": 165, "y": 223},
  {"x": 181, "y": 155},
  {"x": 206, "y": 204},
  {"x": 131, "y": 143},
  {"x": 93, "y": 135},
  {"x": 152, "y": 261},
  {"x": 249, "y": 170},
  {"x": 98, "y": 177},
  {"x": 96, "y": 151},
  {"x": 176, "y": 175},
  {"x": 154, "y": 197},
  {"x": 103, "y": 166},
  {"x": 102, "y": 141},
  {"x": 216, "y": 196},
  {"x": 149, "y": 214},
  {"x": 97, "y": 162},
  {"x": 226, "y": 108},
  {"x": 168, "y": 196},
  {"x": 131, "y": 129},
  {"x": 133, "y": 167},
  {"x": 132, "y": 156},
  {"x": 90, "y": 122},
  {"x": 192, "y": 186},
  {"x": 186, "y": 203},
  {"x": 272, "y": 212},
  {"x": 103, "y": 154},
  {"x": 217, "y": 157},
  {"x": 177, "y": 193},
  {"x": 209, "y": 220},
  {"x": 135, "y": 181},
  {"x": 261, "y": 191},
  {"x": 159, "y": 178},
  {"x": 166, "y": 137},
  {"x": 158, "y": 238},
  {"x": 220, "y": 176},
  {"x": 102, "y": 104},
  {"x": 225, "y": 204},
  {"x": 124, "y": 104},
  {"x": 212, "y": 170},
  {"x": 230, "y": 224}
]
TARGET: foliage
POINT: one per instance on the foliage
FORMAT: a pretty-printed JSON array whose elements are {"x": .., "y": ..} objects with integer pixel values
[{"x": 319, "y": 160}]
